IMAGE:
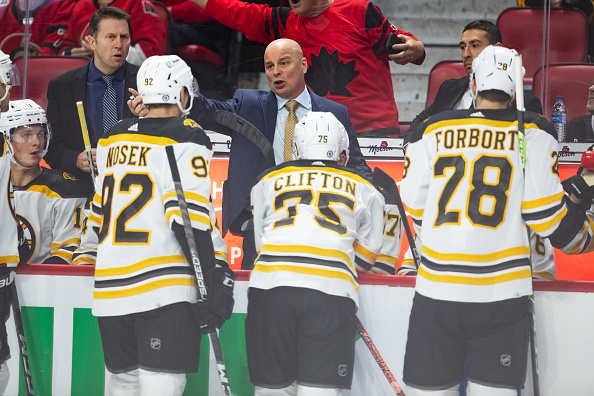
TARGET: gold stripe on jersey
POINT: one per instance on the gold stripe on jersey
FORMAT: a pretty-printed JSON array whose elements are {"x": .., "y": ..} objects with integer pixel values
[
  {"x": 94, "y": 218},
  {"x": 289, "y": 169},
  {"x": 542, "y": 228},
  {"x": 459, "y": 122},
  {"x": 65, "y": 255},
  {"x": 189, "y": 196},
  {"x": 387, "y": 259},
  {"x": 153, "y": 261},
  {"x": 145, "y": 288},
  {"x": 478, "y": 280},
  {"x": 307, "y": 270},
  {"x": 202, "y": 219},
  {"x": 136, "y": 138},
  {"x": 72, "y": 241},
  {"x": 330, "y": 253},
  {"x": 541, "y": 202},
  {"x": 222, "y": 255},
  {"x": 416, "y": 212},
  {"x": 477, "y": 258},
  {"x": 45, "y": 190},
  {"x": 365, "y": 253},
  {"x": 9, "y": 259}
]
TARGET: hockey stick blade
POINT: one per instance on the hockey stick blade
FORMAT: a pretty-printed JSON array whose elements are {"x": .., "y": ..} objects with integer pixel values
[
  {"x": 189, "y": 234},
  {"x": 18, "y": 323},
  {"x": 386, "y": 182},
  {"x": 250, "y": 132},
  {"x": 378, "y": 358}
]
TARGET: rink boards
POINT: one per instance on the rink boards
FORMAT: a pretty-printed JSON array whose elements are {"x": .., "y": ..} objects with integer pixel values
[{"x": 66, "y": 357}]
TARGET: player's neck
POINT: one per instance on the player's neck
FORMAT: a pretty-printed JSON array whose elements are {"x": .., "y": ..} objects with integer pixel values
[
  {"x": 20, "y": 176},
  {"x": 164, "y": 112},
  {"x": 484, "y": 104}
]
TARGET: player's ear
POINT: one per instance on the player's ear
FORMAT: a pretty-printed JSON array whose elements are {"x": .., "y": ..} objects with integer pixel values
[
  {"x": 473, "y": 86},
  {"x": 342, "y": 159}
]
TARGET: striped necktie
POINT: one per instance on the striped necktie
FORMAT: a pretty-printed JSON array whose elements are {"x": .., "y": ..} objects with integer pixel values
[
  {"x": 110, "y": 105},
  {"x": 290, "y": 129}
]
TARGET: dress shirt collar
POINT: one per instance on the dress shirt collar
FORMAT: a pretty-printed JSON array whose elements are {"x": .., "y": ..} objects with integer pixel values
[
  {"x": 304, "y": 100},
  {"x": 96, "y": 74}
]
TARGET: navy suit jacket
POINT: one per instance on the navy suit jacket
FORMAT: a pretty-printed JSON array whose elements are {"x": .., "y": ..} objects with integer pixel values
[
  {"x": 246, "y": 161},
  {"x": 62, "y": 94}
]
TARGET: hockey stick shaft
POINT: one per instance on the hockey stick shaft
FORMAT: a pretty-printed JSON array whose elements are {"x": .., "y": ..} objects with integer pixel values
[
  {"x": 85, "y": 134},
  {"x": 378, "y": 358},
  {"x": 521, "y": 132},
  {"x": 18, "y": 324},
  {"x": 384, "y": 180},
  {"x": 189, "y": 234},
  {"x": 247, "y": 130}
]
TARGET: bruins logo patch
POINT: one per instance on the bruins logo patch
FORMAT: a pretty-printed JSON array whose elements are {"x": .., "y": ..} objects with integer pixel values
[
  {"x": 191, "y": 123},
  {"x": 29, "y": 234},
  {"x": 68, "y": 176}
]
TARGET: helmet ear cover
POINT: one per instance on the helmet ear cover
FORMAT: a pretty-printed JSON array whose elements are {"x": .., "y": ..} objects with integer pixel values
[
  {"x": 320, "y": 136},
  {"x": 160, "y": 80}
]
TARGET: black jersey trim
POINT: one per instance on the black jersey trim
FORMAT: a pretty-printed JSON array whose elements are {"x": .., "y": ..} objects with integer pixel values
[{"x": 176, "y": 270}]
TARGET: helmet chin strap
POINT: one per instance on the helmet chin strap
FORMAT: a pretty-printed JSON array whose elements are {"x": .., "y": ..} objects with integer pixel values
[
  {"x": 24, "y": 167},
  {"x": 5, "y": 93}
]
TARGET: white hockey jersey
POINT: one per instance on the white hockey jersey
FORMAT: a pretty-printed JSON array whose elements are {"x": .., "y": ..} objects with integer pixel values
[
  {"x": 314, "y": 226},
  {"x": 50, "y": 211},
  {"x": 470, "y": 198},
  {"x": 140, "y": 264},
  {"x": 9, "y": 253}
]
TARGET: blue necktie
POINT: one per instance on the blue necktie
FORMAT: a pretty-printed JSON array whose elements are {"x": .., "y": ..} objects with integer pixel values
[{"x": 110, "y": 106}]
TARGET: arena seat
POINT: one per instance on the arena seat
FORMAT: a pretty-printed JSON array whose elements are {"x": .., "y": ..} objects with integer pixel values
[
  {"x": 571, "y": 80},
  {"x": 40, "y": 70},
  {"x": 442, "y": 71},
  {"x": 522, "y": 29}
]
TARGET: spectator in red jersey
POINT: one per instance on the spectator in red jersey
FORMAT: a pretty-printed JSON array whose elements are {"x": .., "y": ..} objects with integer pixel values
[
  {"x": 344, "y": 43},
  {"x": 149, "y": 33},
  {"x": 48, "y": 24}
]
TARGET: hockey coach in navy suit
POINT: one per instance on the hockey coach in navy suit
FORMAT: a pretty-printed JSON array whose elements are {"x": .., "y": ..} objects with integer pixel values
[{"x": 285, "y": 69}]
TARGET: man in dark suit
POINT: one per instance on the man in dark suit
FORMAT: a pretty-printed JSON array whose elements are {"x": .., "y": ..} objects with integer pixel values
[
  {"x": 102, "y": 86},
  {"x": 455, "y": 93},
  {"x": 285, "y": 69},
  {"x": 581, "y": 129}
]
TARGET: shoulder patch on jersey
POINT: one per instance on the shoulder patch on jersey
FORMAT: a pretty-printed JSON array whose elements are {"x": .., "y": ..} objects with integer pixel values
[
  {"x": 191, "y": 123},
  {"x": 68, "y": 176},
  {"x": 55, "y": 183},
  {"x": 148, "y": 8}
]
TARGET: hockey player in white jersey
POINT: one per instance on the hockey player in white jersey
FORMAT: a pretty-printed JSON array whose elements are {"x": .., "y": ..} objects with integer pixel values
[
  {"x": 48, "y": 202},
  {"x": 471, "y": 197},
  {"x": 9, "y": 254},
  {"x": 316, "y": 224},
  {"x": 145, "y": 292}
]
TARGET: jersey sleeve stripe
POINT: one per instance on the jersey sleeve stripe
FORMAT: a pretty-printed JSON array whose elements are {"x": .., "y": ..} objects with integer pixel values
[
  {"x": 537, "y": 203},
  {"x": 9, "y": 259},
  {"x": 174, "y": 259},
  {"x": 477, "y": 258},
  {"x": 543, "y": 214},
  {"x": 193, "y": 217},
  {"x": 544, "y": 228},
  {"x": 418, "y": 213},
  {"x": 189, "y": 196},
  {"x": 145, "y": 288},
  {"x": 365, "y": 253},
  {"x": 72, "y": 241},
  {"x": 387, "y": 259}
]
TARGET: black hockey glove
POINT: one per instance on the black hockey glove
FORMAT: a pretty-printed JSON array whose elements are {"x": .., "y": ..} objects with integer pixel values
[
  {"x": 581, "y": 185},
  {"x": 6, "y": 279},
  {"x": 212, "y": 314}
]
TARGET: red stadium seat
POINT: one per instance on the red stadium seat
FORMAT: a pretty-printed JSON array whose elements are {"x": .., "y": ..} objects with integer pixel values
[
  {"x": 522, "y": 29},
  {"x": 40, "y": 70},
  {"x": 570, "y": 80},
  {"x": 441, "y": 72}
]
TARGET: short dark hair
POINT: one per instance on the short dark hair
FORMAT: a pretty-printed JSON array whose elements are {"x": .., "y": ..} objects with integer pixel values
[
  {"x": 493, "y": 32},
  {"x": 107, "y": 13},
  {"x": 494, "y": 95}
]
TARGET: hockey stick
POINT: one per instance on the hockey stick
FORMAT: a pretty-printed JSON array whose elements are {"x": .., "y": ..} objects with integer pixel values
[
  {"x": 378, "y": 358},
  {"x": 385, "y": 181},
  {"x": 522, "y": 146},
  {"x": 85, "y": 134},
  {"x": 183, "y": 207},
  {"x": 250, "y": 132},
  {"x": 18, "y": 324}
]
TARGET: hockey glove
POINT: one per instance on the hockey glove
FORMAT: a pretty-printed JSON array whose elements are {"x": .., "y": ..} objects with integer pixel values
[
  {"x": 6, "y": 279},
  {"x": 212, "y": 314},
  {"x": 581, "y": 185}
]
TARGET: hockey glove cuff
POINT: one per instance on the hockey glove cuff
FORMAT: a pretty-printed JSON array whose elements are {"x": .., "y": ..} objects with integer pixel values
[
  {"x": 207, "y": 319},
  {"x": 221, "y": 292},
  {"x": 578, "y": 186}
]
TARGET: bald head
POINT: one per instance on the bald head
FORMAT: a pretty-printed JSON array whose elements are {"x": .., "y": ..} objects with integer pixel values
[{"x": 285, "y": 68}]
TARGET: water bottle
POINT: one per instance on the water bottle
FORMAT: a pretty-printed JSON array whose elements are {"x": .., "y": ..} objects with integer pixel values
[{"x": 559, "y": 118}]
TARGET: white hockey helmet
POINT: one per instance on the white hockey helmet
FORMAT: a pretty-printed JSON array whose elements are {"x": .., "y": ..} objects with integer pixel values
[
  {"x": 320, "y": 136},
  {"x": 493, "y": 68},
  {"x": 24, "y": 113},
  {"x": 161, "y": 78},
  {"x": 9, "y": 74}
]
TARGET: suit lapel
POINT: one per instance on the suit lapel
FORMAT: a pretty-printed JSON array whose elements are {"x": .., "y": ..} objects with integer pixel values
[
  {"x": 269, "y": 109},
  {"x": 79, "y": 85},
  {"x": 130, "y": 81},
  {"x": 457, "y": 91}
]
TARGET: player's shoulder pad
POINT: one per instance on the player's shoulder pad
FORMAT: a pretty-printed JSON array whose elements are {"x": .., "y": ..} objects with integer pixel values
[
  {"x": 541, "y": 123},
  {"x": 449, "y": 115},
  {"x": 63, "y": 183}
]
